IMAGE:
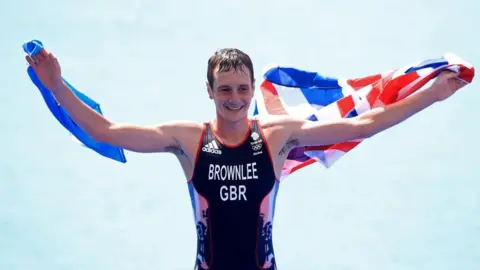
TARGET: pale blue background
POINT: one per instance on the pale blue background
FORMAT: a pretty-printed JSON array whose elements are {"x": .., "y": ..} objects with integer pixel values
[{"x": 405, "y": 199}]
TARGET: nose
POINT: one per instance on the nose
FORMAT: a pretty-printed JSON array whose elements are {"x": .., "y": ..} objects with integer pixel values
[{"x": 234, "y": 97}]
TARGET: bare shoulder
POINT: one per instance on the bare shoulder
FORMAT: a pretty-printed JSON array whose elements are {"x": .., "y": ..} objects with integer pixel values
[
  {"x": 187, "y": 136},
  {"x": 184, "y": 131},
  {"x": 183, "y": 126},
  {"x": 182, "y": 136},
  {"x": 278, "y": 132}
]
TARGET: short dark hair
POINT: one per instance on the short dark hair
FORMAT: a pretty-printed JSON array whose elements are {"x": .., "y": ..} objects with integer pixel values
[{"x": 227, "y": 59}]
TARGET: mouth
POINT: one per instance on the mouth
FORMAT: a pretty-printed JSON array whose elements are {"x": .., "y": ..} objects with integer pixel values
[{"x": 234, "y": 108}]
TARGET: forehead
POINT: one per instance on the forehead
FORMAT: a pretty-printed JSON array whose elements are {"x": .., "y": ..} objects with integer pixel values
[{"x": 232, "y": 77}]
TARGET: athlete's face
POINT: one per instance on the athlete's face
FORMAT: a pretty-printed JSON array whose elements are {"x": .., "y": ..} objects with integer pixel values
[{"x": 232, "y": 93}]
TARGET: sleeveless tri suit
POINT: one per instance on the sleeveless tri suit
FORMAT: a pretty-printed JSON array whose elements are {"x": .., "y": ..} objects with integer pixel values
[{"x": 233, "y": 191}]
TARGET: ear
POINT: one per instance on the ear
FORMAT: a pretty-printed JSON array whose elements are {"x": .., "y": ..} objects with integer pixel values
[{"x": 209, "y": 90}]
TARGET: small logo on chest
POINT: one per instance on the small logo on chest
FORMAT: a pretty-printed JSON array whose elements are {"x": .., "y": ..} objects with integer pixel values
[
  {"x": 256, "y": 144},
  {"x": 212, "y": 147}
]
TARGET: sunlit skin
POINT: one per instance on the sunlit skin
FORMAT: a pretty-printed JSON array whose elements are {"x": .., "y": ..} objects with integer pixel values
[{"x": 232, "y": 94}]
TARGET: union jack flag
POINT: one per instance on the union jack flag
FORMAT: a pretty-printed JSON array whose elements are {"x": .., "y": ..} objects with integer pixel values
[{"x": 312, "y": 96}]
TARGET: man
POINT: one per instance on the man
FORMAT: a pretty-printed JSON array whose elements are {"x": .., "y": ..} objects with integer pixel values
[{"x": 232, "y": 164}]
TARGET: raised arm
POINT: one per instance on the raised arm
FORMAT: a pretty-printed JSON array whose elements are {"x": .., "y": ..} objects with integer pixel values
[
  {"x": 161, "y": 138},
  {"x": 303, "y": 133}
]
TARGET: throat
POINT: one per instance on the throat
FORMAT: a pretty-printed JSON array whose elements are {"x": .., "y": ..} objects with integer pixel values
[{"x": 231, "y": 133}]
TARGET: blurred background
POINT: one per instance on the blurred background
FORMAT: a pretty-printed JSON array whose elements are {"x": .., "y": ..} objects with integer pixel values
[{"x": 407, "y": 198}]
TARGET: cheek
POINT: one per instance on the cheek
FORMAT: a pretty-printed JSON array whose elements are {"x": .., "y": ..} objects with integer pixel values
[
  {"x": 219, "y": 101},
  {"x": 248, "y": 98}
]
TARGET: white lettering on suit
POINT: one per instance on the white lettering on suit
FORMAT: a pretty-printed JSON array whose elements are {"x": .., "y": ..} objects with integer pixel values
[{"x": 241, "y": 172}]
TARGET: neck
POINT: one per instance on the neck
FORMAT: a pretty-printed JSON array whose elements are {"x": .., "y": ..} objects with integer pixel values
[{"x": 231, "y": 132}]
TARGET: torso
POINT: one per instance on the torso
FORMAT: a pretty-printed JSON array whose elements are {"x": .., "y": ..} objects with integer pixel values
[
  {"x": 275, "y": 138},
  {"x": 233, "y": 191}
]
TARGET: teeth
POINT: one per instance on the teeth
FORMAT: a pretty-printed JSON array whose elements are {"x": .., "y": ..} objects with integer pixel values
[{"x": 234, "y": 108}]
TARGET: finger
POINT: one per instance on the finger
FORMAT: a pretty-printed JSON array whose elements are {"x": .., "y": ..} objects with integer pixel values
[
  {"x": 459, "y": 79},
  {"x": 51, "y": 56},
  {"x": 55, "y": 62},
  {"x": 35, "y": 59},
  {"x": 41, "y": 56},
  {"x": 460, "y": 82},
  {"x": 43, "y": 53},
  {"x": 30, "y": 61},
  {"x": 450, "y": 74}
]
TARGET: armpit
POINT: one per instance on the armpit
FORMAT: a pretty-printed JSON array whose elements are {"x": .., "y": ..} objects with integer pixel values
[{"x": 174, "y": 150}]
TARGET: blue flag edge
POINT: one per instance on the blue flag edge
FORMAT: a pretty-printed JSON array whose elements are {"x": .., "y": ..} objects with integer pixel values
[{"x": 106, "y": 150}]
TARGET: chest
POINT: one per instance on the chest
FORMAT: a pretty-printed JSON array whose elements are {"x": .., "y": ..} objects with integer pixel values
[{"x": 241, "y": 174}]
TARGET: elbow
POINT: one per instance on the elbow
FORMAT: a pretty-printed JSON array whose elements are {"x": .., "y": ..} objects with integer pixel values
[
  {"x": 102, "y": 134},
  {"x": 99, "y": 137}
]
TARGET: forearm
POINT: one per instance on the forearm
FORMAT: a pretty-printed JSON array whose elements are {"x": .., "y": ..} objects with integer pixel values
[
  {"x": 379, "y": 119},
  {"x": 308, "y": 133},
  {"x": 85, "y": 117}
]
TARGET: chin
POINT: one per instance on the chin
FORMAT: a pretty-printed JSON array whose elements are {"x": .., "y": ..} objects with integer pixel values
[{"x": 235, "y": 116}]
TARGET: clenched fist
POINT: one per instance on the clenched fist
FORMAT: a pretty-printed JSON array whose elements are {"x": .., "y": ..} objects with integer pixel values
[
  {"x": 446, "y": 84},
  {"x": 47, "y": 68}
]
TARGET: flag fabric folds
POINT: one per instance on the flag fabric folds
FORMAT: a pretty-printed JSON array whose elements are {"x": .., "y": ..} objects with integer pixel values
[
  {"x": 297, "y": 92},
  {"x": 35, "y": 46},
  {"x": 313, "y": 96}
]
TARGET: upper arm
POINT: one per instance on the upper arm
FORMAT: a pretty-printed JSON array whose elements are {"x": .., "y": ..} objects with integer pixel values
[
  {"x": 146, "y": 139},
  {"x": 311, "y": 133}
]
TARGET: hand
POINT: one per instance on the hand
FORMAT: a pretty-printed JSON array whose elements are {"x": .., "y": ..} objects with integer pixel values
[
  {"x": 47, "y": 68},
  {"x": 446, "y": 85}
]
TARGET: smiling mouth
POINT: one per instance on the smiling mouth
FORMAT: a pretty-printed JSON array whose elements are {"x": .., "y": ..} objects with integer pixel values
[{"x": 234, "y": 108}]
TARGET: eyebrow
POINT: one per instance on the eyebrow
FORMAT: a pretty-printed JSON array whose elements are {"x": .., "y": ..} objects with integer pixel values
[{"x": 229, "y": 86}]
